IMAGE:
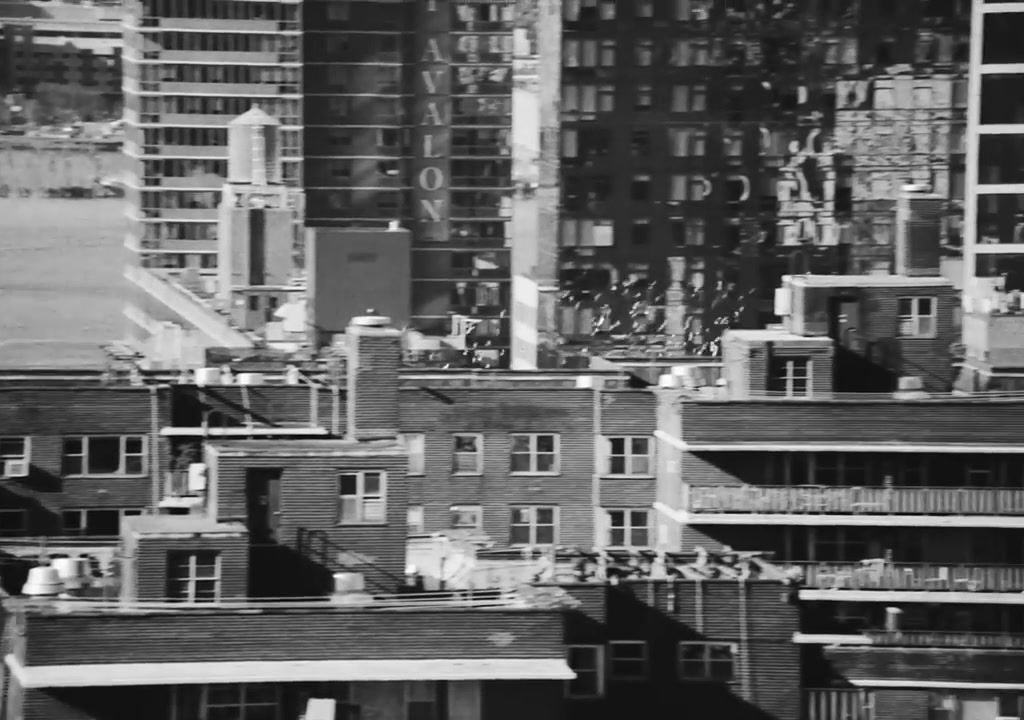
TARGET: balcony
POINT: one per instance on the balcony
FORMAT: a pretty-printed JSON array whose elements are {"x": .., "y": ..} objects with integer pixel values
[
  {"x": 918, "y": 639},
  {"x": 861, "y": 506},
  {"x": 929, "y": 581}
]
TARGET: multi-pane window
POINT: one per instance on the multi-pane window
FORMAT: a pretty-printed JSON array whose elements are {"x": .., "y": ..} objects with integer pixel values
[
  {"x": 467, "y": 454},
  {"x": 706, "y": 661},
  {"x": 587, "y": 661},
  {"x": 361, "y": 497},
  {"x": 234, "y": 701},
  {"x": 534, "y": 453},
  {"x": 533, "y": 525},
  {"x": 790, "y": 376},
  {"x": 466, "y": 517},
  {"x": 916, "y": 317},
  {"x": 14, "y": 456},
  {"x": 627, "y": 659},
  {"x": 689, "y": 98},
  {"x": 629, "y": 528},
  {"x": 688, "y": 142},
  {"x": 13, "y": 523},
  {"x": 104, "y": 455},
  {"x": 415, "y": 444},
  {"x": 193, "y": 576},
  {"x": 629, "y": 456}
]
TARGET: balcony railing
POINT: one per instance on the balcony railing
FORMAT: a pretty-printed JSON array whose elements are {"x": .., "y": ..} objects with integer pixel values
[
  {"x": 913, "y": 577},
  {"x": 819, "y": 500},
  {"x": 929, "y": 638}
]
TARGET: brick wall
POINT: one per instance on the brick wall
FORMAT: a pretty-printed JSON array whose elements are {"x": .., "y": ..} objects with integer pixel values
[
  {"x": 953, "y": 665},
  {"x": 892, "y": 704},
  {"x": 46, "y": 416},
  {"x": 150, "y": 563},
  {"x": 945, "y": 421},
  {"x": 308, "y": 497},
  {"x": 757, "y": 616},
  {"x": 313, "y": 634}
]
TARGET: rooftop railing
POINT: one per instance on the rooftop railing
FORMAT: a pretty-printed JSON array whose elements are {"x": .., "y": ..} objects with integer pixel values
[
  {"x": 463, "y": 600},
  {"x": 941, "y": 577},
  {"x": 820, "y": 500},
  {"x": 932, "y": 638}
]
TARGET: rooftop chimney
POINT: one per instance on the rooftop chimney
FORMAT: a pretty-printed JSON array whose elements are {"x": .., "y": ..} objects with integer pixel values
[
  {"x": 374, "y": 351},
  {"x": 918, "y": 232}
]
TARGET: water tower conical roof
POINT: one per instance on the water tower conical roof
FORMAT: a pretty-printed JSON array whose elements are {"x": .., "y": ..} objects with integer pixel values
[{"x": 254, "y": 116}]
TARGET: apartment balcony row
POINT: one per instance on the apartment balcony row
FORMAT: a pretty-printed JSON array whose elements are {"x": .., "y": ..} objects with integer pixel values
[
  {"x": 870, "y": 506},
  {"x": 924, "y": 582},
  {"x": 916, "y": 639}
]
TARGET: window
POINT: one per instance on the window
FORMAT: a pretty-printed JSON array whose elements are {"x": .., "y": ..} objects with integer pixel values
[
  {"x": 627, "y": 659},
  {"x": 916, "y": 317},
  {"x": 467, "y": 454},
  {"x": 239, "y": 702},
  {"x": 790, "y": 376},
  {"x": 193, "y": 576},
  {"x": 13, "y": 448},
  {"x": 414, "y": 443},
  {"x": 629, "y": 456},
  {"x": 361, "y": 498},
  {"x": 13, "y": 523},
  {"x": 414, "y": 521},
  {"x": 421, "y": 700},
  {"x": 706, "y": 661},
  {"x": 104, "y": 455},
  {"x": 105, "y": 522},
  {"x": 466, "y": 517},
  {"x": 533, "y": 525},
  {"x": 628, "y": 528},
  {"x": 644, "y": 52},
  {"x": 535, "y": 454},
  {"x": 587, "y": 661}
]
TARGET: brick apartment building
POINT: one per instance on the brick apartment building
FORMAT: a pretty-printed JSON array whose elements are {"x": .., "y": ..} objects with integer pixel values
[{"x": 885, "y": 502}]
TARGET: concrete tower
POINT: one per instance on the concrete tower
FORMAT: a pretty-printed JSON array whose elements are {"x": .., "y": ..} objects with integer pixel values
[{"x": 254, "y": 231}]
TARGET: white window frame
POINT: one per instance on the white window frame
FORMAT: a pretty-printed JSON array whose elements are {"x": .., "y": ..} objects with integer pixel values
[
  {"x": 644, "y": 661},
  {"x": 414, "y": 520},
  {"x": 477, "y": 456},
  {"x": 627, "y": 527},
  {"x": 415, "y": 444},
  {"x": 26, "y": 448},
  {"x": 456, "y": 510},
  {"x": 533, "y": 525},
  {"x": 790, "y": 376},
  {"x": 913, "y": 325},
  {"x": 628, "y": 456},
  {"x": 192, "y": 578},
  {"x": 6, "y": 529},
  {"x": 123, "y": 455},
  {"x": 364, "y": 500},
  {"x": 706, "y": 675},
  {"x": 533, "y": 454},
  {"x": 599, "y": 671}
]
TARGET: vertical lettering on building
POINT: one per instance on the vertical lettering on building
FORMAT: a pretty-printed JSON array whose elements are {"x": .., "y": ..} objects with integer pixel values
[{"x": 432, "y": 114}]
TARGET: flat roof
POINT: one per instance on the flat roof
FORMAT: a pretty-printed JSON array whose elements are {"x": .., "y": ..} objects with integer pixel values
[
  {"x": 305, "y": 446},
  {"x": 178, "y": 524},
  {"x": 868, "y": 281},
  {"x": 208, "y": 673},
  {"x": 776, "y": 335}
]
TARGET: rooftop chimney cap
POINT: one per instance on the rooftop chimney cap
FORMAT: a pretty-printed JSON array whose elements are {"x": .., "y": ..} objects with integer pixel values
[{"x": 371, "y": 319}]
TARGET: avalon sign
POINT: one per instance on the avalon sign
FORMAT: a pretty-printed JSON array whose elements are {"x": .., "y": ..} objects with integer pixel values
[{"x": 432, "y": 114}]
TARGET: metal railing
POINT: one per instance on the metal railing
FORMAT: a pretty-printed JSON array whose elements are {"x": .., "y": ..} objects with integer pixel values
[
  {"x": 839, "y": 704},
  {"x": 931, "y": 638},
  {"x": 820, "y": 500},
  {"x": 936, "y": 577},
  {"x": 466, "y": 600}
]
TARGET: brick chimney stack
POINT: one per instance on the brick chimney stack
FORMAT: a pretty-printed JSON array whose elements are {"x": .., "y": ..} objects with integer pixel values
[{"x": 374, "y": 354}]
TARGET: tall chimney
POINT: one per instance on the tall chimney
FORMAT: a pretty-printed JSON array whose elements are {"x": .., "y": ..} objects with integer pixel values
[{"x": 374, "y": 355}]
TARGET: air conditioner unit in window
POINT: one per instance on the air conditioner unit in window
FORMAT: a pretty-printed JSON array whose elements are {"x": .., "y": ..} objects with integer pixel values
[{"x": 15, "y": 468}]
